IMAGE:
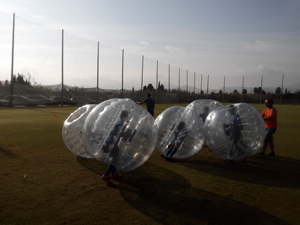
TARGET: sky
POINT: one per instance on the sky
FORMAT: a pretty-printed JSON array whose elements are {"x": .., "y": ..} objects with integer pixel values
[{"x": 195, "y": 43}]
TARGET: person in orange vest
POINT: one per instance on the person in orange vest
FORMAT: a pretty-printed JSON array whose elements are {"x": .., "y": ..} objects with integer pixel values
[{"x": 270, "y": 117}]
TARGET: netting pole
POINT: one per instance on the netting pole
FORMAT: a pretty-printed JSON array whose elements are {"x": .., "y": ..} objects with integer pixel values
[
  {"x": 122, "y": 72},
  {"x": 12, "y": 65},
  {"x": 98, "y": 74},
  {"x": 201, "y": 87},
  {"x": 187, "y": 81},
  {"x": 178, "y": 86},
  {"x": 224, "y": 89},
  {"x": 142, "y": 72},
  {"x": 261, "y": 84},
  {"x": 156, "y": 78},
  {"x": 207, "y": 86},
  {"x": 281, "y": 88},
  {"x": 194, "y": 85},
  {"x": 169, "y": 74},
  {"x": 62, "y": 69},
  {"x": 242, "y": 90}
]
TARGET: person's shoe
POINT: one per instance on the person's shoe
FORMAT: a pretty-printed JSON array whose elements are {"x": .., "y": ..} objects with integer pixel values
[
  {"x": 228, "y": 161},
  {"x": 168, "y": 158},
  {"x": 261, "y": 155},
  {"x": 106, "y": 179},
  {"x": 162, "y": 155},
  {"x": 116, "y": 176},
  {"x": 272, "y": 154}
]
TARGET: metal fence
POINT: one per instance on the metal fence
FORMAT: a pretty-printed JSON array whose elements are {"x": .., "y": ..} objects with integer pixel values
[{"x": 90, "y": 71}]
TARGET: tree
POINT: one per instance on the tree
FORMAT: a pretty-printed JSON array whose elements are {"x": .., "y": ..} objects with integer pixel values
[
  {"x": 278, "y": 91},
  {"x": 220, "y": 92},
  {"x": 150, "y": 87},
  {"x": 244, "y": 91},
  {"x": 235, "y": 92}
]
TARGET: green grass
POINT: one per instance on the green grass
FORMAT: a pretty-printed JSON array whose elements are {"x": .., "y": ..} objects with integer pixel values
[{"x": 42, "y": 182}]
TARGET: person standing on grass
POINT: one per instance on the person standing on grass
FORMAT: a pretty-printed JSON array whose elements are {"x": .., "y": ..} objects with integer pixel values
[
  {"x": 270, "y": 117},
  {"x": 149, "y": 103}
]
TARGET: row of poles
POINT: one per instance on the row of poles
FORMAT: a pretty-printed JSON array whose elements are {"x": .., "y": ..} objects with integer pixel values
[{"x": 122, "y": 88}]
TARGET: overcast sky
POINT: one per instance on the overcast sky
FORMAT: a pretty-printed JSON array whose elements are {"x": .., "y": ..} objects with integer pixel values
[{"x": 218, "y": 38}]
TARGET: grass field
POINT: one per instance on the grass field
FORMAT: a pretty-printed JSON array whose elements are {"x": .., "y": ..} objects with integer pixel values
[{"x": 42, "y": 182}]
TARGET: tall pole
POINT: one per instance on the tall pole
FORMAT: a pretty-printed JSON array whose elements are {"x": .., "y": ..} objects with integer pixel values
[
  {"x": 62, "y": 69},
  {"x": 142, "y": 72},
  {"x": 261, "y": 84},
  {"x": 156, "y": 78},
  {"x": 242, "y": 90},
  {"x": 224, "y": 89},
  {"x": 178, "y": 86},
  {"x": 169, "y": 77},
  {"x": 281, "y": 88},
  {"x": 194, "y": 83},
  {"x": 98, "y": 74},
  {"x": 122, "y": 72},
  {"x": 201, "y": 86},
  {"x": 12, "y": 65},
  {"x": 187, "y": 81},
  {"x": 179, "y": 81},
  {"x": 207, "y": 86}
]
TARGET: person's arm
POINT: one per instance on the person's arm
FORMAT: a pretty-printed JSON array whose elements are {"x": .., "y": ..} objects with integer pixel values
[{"x": 140, "y": 102}]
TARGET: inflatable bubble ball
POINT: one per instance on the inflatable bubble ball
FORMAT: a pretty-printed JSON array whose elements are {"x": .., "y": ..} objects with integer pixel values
[
  {"x": 180, "y": 132},
  {"x": 235, "y": 131},
  {"x": 204, "y": 106},
  {"x": 121, "y": 133},
  {"x": 72, "y": 130}
]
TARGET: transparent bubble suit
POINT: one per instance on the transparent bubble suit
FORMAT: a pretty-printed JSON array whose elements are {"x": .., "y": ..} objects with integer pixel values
[
  {"x": 167, "y": 123},
  {"x": 124, "y": 141},
  {"x": 203, "y": 107},
  {"x": 72, "y": 130},
  {"x": 230, "y": 141}
]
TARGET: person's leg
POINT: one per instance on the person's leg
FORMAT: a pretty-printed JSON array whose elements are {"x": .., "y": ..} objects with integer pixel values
[
  {"x": 173, "y": 152},
  {"x": 169, "y": 151},
  {"x": 105, "y": 176},
  {"x": 109, "y": 170}
]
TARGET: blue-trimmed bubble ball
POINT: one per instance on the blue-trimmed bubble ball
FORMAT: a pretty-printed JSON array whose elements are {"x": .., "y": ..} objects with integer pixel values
[
  {"x": 121, "y": 133},
  {"x": 72, "y": 130},
  {"x": 182, "y": 128},
  {"x": 234, "y": 132}
]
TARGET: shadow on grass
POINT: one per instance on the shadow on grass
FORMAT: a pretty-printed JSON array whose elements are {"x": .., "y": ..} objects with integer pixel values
[
  {"x": 168, "y": 198},
  {"x": 271, "y": 171},
  {"x": 7, "y": 152}
]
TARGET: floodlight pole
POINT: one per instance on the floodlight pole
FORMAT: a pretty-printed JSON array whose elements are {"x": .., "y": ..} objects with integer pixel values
[
  {"x": 156, "y": 79},
  {"x": 12, "y": 65}
]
